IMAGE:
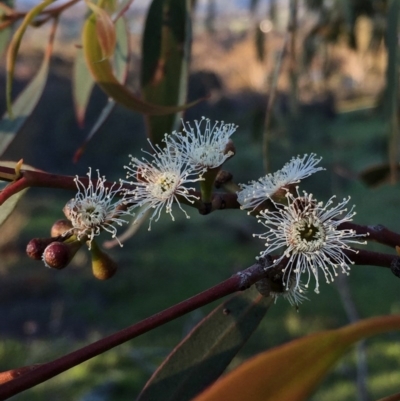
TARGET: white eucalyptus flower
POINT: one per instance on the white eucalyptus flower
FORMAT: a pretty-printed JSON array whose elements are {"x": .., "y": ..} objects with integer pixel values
[
  {"x": 255, "y": 193},
  {"x": 160, "y": 182},
  {"x": 308, "y": 233},
  {"x": 94, "y": 209},
  {"x": 205, "y": 144}
]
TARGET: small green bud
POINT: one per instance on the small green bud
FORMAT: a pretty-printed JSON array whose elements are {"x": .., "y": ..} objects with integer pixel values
[{"x": 103, "y": 266}]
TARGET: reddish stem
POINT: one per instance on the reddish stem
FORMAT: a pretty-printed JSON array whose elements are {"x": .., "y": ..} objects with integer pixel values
[
  {"x": 377, "y": 233},
  {"x": 46, "y": 371},
  {"x": 238, "y": 282}
]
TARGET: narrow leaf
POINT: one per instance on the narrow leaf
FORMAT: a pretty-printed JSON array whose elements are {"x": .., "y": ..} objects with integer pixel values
[
  {"x": 5, "y": 34},
  {"x": 166, "y": 52},
  {"x": 102, "y": 73},
  {"x": 9, "y": 205},
  {"x": 26, "y": 101},
  {"x": 121, "y": 64},
  {"x": 291, "y": 372},
  {"x": 105, "y": 113},
  {"x": 83, "y": 83},
  {"x": 105, "y": 30},
  {"x": 392, "y": 84},
  {"x": 14, "y": 47},
  {"x": 205, "y": 353}
]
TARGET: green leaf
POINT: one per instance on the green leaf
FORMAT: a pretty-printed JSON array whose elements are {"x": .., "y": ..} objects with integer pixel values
[
  {"x": 105, "y": 113},
  {"x": 205, "y": 353},
  {"x": 166, "y": 51},
  {"x": 392, "y": 83},
  {"x": 26, "y": 102},
  {"x": 83, "y": 84},
  {"x": 105, "y": 30},
  {"x": 101, "y": 71},
  {"x": 14, "y": 47},
  {"x": 5, "y": 35},
  {"x": 121, "y": 65},
  {"x": 292, "y": 371},
  {"x": 9, "y": 205}
]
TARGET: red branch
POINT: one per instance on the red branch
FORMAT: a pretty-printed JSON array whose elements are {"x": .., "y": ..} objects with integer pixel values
[
  {"x": 41, "y": 373},
  {"x": 238, "y": 282},
  {"x": 31, "y": 178},
  {"x": 377, "y": 233}
]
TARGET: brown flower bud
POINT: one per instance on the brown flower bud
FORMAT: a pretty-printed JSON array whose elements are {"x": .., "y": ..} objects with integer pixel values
[
  {"x": 103, "y": 266},
  {"x": 68, "y": 209},
  {"x": 230, "y": 148},
  {"x": 59, "y": 254},
  {"x": 60, "y": 227},
  {"x": 36, "y": 247}
]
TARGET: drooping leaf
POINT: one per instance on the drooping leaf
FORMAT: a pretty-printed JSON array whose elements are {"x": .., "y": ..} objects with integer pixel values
[
  {"x": 292, "y": 371},
  {"x": 102, "y": 73},
  {"x": 105, "y": 113},
  {"x": 83, "y": 84},
  {"x": 14, "y": 47},
  {"x": 166, "y": 51},
  {"x": 121, "y": 64},
  {"x": 5, "y": 35},
  {"x": 105, "y": 30},
  {"x": 9, "y": 205},
  {"x": 26, "y": 101},
  {"x": 392, "y": 83},
  {"x": 208, "y": 349}
]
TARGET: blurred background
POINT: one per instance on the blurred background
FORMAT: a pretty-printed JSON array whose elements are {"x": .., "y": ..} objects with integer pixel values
[{"x": 331, "y": 88}]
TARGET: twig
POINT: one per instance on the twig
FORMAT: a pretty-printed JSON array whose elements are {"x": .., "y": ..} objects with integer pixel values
[
  {"x": 46, "y": 371},
  {"x": 378, "y": 233}
]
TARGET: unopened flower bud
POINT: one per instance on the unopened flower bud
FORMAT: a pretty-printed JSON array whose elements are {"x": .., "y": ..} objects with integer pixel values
[
  {"x": 36, "y": 247},
  {"x": 68, "y": 209},
  {"x": 103, "y": 266},
  {"x": 60, "y": 227},
  {"x": 59, "y": 254},
  {"x": 230, "y": 149}
]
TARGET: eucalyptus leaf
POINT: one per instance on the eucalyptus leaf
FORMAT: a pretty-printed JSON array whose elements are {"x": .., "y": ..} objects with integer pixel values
[
  {"x": 292, "y": 371},
  {"x": 166, "y": 52},
  {"x": 208, "y": 349}
]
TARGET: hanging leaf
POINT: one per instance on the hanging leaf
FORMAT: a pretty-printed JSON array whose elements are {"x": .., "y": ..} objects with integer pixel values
[
  {"x": 105, "y": 30},
  {"x": 83, "y": 84},
  {"x": 292, "y": 371},
  {"x": 9, "y": 205},
  {"x": 14, "y": 47},
  {"x": 166, "y": 51},
  {"x": 102, "y": 118},
  {"x": 121, "y": 65},
  {"x": 208, "y": 349},
  {"x": 102, "y": 73},
  {"x": 392, "y": 84},
  {"x": 26, "y": 101}
]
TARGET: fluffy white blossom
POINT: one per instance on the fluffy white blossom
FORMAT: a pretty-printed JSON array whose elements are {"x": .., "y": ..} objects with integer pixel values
[
  {"x": 160, "y": 182},
  {"x": 94, "y": 209},
  {"x": 205, "y": 144},
  {"x": 255, "y": 193},
  {"x": 307, "y": 232}
]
